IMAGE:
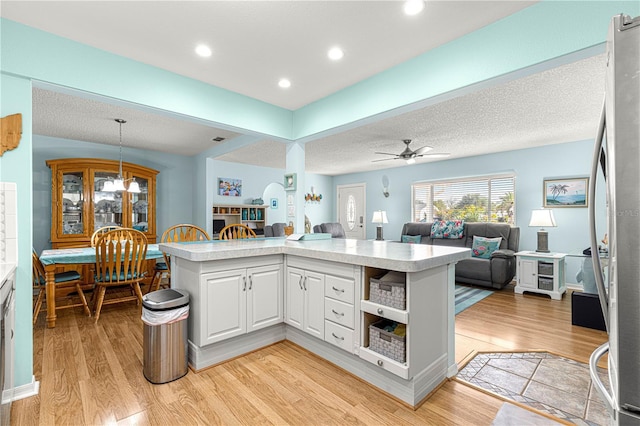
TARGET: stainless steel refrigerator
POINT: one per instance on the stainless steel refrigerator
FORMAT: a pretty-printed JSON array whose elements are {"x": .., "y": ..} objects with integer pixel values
[{"x": 617, "y": 158}]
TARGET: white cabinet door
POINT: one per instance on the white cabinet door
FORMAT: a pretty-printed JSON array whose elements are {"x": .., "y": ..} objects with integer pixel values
[
  {"x": 264, "y": 297},
  {"x": 295, "y": 296},
  {"x": 313, "y": 285},
  {"x": 225, "y": 305},
  {"x": 528, "y": 273}
]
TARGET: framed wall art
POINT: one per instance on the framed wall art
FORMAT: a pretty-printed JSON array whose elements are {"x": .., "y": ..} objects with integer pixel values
[
  {"x": 570, "y": 192},
  {"x": 230, "y": 187},
  {"x": 290, "y": 182}
]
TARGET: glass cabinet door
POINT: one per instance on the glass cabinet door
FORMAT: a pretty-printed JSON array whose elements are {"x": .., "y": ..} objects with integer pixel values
[
  {"x": 72, "y": 203},
  {"x": 107, "y": 206},
  {"x": 140, "y": 206}
]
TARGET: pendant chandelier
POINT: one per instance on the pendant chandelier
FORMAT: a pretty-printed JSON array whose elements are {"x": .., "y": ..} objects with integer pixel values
[{"x": 117, "y": 184}]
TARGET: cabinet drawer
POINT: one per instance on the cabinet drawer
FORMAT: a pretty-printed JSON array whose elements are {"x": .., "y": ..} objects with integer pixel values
[
  {"x": 339, "y": 312},
  {"x": 337, "y": 335},
  {"x": 394, "y": 367},
  {"x": 339, "y": 288}
]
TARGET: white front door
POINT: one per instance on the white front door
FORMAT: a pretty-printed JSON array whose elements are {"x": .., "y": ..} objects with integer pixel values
[{"x": 352, "y": 210}]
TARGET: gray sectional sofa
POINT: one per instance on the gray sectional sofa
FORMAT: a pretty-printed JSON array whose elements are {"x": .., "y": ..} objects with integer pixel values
[{"x": 495, "y": 272}]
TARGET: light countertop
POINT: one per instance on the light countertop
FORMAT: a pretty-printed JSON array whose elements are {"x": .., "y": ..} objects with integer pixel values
[{"x": 380, "y": 254}]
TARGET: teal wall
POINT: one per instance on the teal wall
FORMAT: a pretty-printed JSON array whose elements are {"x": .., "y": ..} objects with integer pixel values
[
  {"x": 15, "y": 166},
  {"x": 174, "y": 198},
  {"x": 530, "y": 166}
]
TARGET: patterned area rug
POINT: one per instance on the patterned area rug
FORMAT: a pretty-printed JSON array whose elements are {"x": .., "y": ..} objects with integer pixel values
[
  {"x": 467, "y": 296},
  {"x": 549, "y": 383}
]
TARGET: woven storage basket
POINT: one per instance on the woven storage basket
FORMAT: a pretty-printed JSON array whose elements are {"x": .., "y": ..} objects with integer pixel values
[
  {"x": 389, "y": 290},
  {"x": 387, "y": 343}
]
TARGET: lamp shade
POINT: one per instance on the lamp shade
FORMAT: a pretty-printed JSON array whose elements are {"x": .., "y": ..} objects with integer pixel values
[
  {"x": 379, "y": 216},
  {"x": 108, "y": 186},
  {"x": 118, "y": 184},
  {"x": 542, "y": 218},
  {"x": 134, "y": 187}
]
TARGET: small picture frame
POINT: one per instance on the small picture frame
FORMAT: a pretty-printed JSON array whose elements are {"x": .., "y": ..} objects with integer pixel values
[
  {"x": 229, "y": 187},
  {"x": 568, "y": 192},
  {"x": 274, "y": 203},
  {"x": 290, "y": 182}
]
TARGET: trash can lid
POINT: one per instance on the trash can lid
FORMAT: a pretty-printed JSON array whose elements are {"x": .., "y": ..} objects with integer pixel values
[{"x": 168, "y": 298}]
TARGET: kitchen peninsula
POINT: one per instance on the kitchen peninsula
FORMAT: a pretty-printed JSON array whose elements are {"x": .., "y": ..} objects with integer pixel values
[{"x": 247, "y": 294}]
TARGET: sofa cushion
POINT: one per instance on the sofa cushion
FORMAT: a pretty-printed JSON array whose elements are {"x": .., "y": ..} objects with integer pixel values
[
  {"x": 411, "y": 239},
  {"x": 483, "y": 247},
  {"x": 489, "y": 230},
  {"x": 474, "y": 268},
  {"x": 452, "y": 229}
]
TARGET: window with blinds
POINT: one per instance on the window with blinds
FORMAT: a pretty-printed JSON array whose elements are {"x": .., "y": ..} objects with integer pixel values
[{"x": 478, "y": 199}]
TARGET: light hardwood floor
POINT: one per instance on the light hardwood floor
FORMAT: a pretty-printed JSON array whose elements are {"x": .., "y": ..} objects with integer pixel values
[{"x": 92, "y": 374}]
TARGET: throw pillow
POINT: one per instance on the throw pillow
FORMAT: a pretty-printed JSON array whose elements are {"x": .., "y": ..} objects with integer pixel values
[
  {"x": 452, "y": 229},
  {"x": 483, "y": 247},
  {"x": 412, "y": 239}
]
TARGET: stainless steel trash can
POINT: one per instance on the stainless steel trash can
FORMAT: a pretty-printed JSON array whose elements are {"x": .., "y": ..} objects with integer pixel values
[{"x": 164, "y": 314}]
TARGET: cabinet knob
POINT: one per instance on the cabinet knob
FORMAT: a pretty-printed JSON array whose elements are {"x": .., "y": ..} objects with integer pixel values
[
  {"x": 380, "y": 311},
  {"x": 380, "y": 363}
]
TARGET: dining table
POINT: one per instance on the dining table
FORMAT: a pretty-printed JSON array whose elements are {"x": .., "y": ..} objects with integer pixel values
[{"x": 53, "y": 258}]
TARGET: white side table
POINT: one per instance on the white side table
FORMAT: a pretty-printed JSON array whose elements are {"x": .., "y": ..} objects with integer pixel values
[{"x": 540, "y": 273}]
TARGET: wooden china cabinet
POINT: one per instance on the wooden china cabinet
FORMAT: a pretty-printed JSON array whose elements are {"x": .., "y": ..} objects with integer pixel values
[{"x": 79, "y": 205}]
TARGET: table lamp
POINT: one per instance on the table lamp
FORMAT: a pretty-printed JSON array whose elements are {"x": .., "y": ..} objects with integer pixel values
[
  {"x": 544, "y": 219},
  {"x": 379, "y": 217}
]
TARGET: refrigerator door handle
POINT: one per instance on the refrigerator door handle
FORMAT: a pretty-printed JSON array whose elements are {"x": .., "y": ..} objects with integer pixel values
[
  {"x": 595, "y": 258},
  {"x": 595, "y": 378}
]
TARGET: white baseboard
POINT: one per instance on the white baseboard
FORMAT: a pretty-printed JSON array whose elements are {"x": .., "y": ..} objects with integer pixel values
[{"x": 27, "y": 390}]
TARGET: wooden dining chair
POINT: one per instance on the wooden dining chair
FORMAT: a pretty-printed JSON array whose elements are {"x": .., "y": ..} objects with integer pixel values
[
  {"x": 175, "y": 234},
  {"x": 62, "y": 279},
  {"x": 101, "y": 231},
  {"x": 236, "y": 231},
  {"x": 120, "y": 262}
]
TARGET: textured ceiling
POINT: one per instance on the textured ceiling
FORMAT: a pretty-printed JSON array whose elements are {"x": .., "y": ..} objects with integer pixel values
[
  {"x": 65, "y": 116},
  {"x": 554, "y": 106}
]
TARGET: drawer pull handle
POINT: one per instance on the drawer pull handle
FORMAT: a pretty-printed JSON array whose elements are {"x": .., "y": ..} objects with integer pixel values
[
  {"x": 337, "y": 313},
  {"x": 380, "y": 311},
  {"x": 341, "y": 290},
  {"x": 380, "y": 363},
  {"x": 337, "y": 337}
]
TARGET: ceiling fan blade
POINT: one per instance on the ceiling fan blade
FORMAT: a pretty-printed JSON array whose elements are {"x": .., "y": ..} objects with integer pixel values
[
  {"x": 441, "y": 155},
  {"x": 385, "y": 153},
  {"x": 423, "y": 150},
  {"x": 385, "y": 159}
]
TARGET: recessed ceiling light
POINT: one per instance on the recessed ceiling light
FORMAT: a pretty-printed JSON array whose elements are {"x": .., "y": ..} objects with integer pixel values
[
  {"x": 203, "y": 50},
  {"x": 284, "y": 83},
  {"x": 335, "y": 53},
  {"x": 413, "y": 7}
]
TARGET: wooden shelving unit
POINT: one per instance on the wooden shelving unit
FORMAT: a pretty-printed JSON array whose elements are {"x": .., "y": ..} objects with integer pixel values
[{"x": 252, "y": 215}]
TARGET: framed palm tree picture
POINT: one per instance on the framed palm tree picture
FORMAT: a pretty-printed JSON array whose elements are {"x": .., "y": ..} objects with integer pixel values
[{"x": 571, "y": 192}]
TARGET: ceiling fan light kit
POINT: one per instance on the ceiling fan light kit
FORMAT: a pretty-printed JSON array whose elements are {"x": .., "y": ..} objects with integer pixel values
[{"x": 410, "y": 155}]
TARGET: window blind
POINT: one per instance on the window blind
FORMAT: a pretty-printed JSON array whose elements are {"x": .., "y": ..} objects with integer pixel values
[{"x": 476, "y": 199}]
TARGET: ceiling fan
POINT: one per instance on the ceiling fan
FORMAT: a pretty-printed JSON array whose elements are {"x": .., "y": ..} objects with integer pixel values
[{"x": 410, "y": 155}]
